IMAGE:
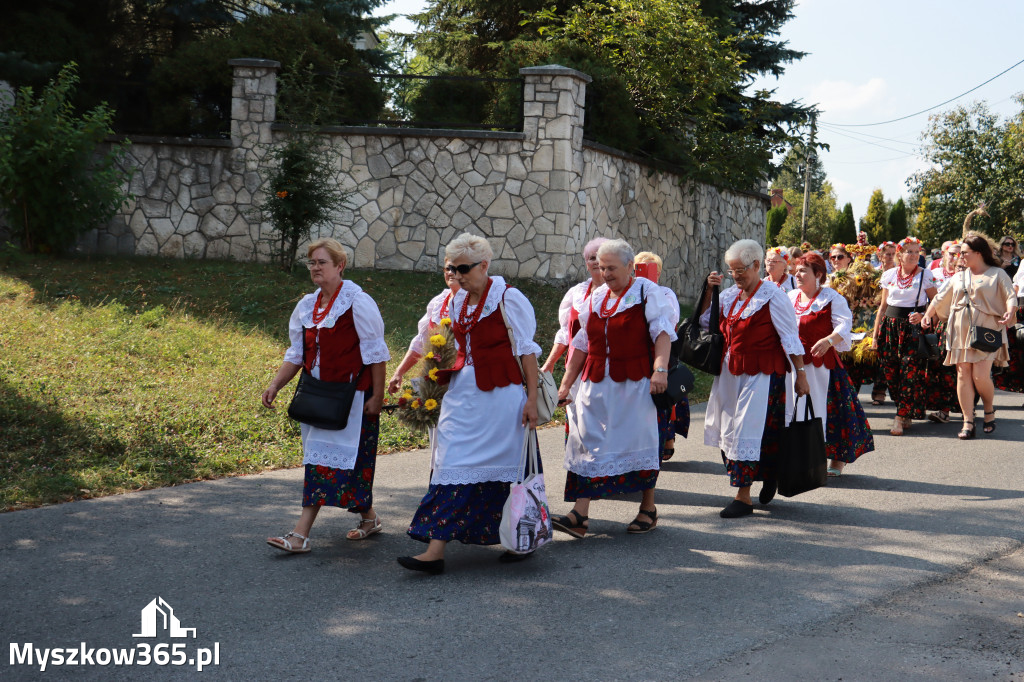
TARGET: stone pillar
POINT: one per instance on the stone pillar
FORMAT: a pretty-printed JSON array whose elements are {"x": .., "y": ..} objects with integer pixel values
[
  {"x": 553, "y": 110},
  {"x": 253, "y": 112}
]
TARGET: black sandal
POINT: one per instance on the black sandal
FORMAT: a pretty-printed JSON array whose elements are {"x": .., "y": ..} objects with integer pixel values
[
  {"x": 639, "y": 527},
  {"x": 967, "y": 432},
  {"x": 989, "y": 427},
  {"x": 568, "y": 525},
  {"x": 667, "y": 453},
  {"x": 878, "y": 397}
]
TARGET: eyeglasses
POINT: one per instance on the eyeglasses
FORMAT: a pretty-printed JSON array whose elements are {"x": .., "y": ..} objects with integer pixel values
[
  {"x": 314, "y": 263},
  {"x": 461, "y": 269},
  {"x": 838, "y": 256},
  {"x": 737, "y": 273},
  {"x": 769, "y": 263}
]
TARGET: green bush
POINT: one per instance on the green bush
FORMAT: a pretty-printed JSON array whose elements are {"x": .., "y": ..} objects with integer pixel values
[
  {"x": 463, "y": 102},
  {"x": 191, "y": 88},
  {"x": 55, "y": 183}
]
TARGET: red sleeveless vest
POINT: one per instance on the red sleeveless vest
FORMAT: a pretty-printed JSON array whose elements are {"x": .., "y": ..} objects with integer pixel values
[
  {"x": 340, "y": 359},
  {"x": 491, "y": 356},
  {"x": 753, "y": 344},
  {"x": 813, "y": 327},
  {"x": 624, "y": 340}
]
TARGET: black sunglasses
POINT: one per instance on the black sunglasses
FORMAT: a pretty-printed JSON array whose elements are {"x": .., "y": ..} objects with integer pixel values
[{"x": 461, "y": 269}]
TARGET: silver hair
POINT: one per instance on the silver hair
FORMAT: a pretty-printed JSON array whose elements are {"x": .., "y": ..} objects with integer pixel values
[
  {"x": 592, "y": 246},
  {"x": 471, "y": 246},
  {"x": 617, "y": 247},
  {"x": 746, "y": 251}
]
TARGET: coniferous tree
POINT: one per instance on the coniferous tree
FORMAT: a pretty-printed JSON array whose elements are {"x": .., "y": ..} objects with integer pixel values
[
  {"x": 846, "y": 231},
  {"x": 897, "y": 221}
]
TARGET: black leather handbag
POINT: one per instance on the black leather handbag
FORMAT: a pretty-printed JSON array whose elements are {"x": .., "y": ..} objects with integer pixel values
[
  {"x": 928, "y": 346},
  {"x": 323, "y": 404},
  {"x": 680, "y": 382},
  {"x": 699, "y": 348}
]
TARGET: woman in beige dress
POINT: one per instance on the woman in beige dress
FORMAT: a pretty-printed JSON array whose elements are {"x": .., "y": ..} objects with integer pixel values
[{"x": 982, "y": 294}]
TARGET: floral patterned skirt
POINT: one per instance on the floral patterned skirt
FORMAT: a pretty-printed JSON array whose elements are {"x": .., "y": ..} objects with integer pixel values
[
  {"x": 942, "y": 379},
  {"x": 348, "y": 488},
  {"x": 600, "y": 487},
  {"x": 743, "y": 474},
  {"x": 467, "y": 512},
  {"x": 673, "y": 421},
  {"x": 681, "y": 423},
  {"x": 905, "y": 373},
  {"x": 1012, "y": 377},
  {"x": 847, "y": 431}
]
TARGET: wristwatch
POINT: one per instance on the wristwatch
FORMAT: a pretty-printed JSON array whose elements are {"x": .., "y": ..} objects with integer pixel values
[
  {"x": 660, "y": 369},
  {"x": 801, "y": 369}
]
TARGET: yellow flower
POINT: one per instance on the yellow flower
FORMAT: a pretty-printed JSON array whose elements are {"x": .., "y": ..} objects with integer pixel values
[
  {"x": 430, "y": 404},
  {"x": 429, "y": 356},
  {"x": 432, "y": 374},
  {"x": 859, "y": 280},
  {"x": 438, "y": 340},
  {"x": 416, "y": 404},
  {"x": 407, "y": 395},
  {"x": 445, "y": 321}
]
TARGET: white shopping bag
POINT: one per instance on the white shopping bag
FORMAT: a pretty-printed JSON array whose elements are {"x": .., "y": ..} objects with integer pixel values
[{"x": 525, "y": 519}]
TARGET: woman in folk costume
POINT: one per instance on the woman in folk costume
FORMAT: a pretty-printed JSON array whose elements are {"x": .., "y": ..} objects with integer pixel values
[
  {"x": 485, "y": 413},
  {"x": 569, "y": 319},
  {"x": 747, "y": 409},
  {"x": 776, "y": 265},
  {"x": 438, "y": 308},
  {"x": 674, "y": 419},
  {"x": 625, "y": 338},
  {"x": 824, "y": 321},
  {"x": 337, "y": 335},
  {"x": 1012, "y": 378},
  {"x": 941, "y": 393},
  {"x": 906, "y": 290}
]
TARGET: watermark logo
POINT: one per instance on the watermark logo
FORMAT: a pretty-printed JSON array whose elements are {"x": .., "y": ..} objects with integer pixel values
[
  {"x": 157, "y": 619},
  {"x": 157, "y": 613}
]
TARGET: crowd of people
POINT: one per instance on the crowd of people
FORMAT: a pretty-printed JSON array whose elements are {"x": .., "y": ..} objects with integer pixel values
[{"x": 791, "y": 333}]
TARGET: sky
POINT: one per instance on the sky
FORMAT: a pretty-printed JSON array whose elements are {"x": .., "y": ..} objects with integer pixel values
[{"x": 876, "y": 60}]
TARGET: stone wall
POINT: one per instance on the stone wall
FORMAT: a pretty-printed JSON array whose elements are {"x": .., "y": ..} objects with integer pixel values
[{"x": 538, "y": 196}]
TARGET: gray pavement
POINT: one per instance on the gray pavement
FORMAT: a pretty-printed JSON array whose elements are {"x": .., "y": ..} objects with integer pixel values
[{"x": 910, "y": 566}]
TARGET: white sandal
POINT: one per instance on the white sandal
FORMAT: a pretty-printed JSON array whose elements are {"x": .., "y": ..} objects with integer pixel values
[
  {"x": 363, "y": 534},
  {"x": 285, "y": 544}
]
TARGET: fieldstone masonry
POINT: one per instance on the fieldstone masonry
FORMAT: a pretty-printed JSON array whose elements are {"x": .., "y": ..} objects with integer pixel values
[{"x": 537, "y": 196}]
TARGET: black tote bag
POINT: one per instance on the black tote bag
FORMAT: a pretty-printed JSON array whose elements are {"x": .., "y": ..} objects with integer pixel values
[
  {"x": 802, "y": 463},
  {"x": 699, "y": 348}
]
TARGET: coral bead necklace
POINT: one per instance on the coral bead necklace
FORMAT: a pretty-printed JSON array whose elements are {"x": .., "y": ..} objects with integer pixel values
[
  {"x": 320, "y": 316},
  {"x": 905, "y": 281},
  {"x": 605, "y": 310},
  {"x": 465, "y": 321}
]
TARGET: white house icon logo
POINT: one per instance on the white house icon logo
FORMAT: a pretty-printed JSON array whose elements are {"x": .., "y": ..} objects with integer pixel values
[{"x": 159, "y": 613}]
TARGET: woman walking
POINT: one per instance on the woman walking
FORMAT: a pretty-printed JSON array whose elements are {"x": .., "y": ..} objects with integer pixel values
[
  {"x": 906, "y": 290},
  {"x": 776, "y": 265},
  {"x": 824, "y": 321},
  {"x": 1012, "y": 378},
  {"x": 747, "y": 408},
  {"x": 980, "y": 296},
  {"x": 1009, "y": 255},
  {"x": 625, "y": 338},
  {"x": 485, "y": 413},
  {"x": 337, "y": 335},
  {"x": 941, "y": 394}
]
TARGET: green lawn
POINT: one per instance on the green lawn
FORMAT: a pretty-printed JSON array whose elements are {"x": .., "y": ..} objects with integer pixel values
[{"x": 125, "y": 374}]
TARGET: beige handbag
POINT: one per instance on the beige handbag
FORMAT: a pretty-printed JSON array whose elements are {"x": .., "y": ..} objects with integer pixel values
[{"x": 547, "y": 390}]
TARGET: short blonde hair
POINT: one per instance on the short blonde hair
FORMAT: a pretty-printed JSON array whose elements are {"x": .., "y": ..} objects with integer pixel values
[
  {"x": 649, "y": 257},
  {"x": 339, "y": 256},
  {"x": 471, "y": 246}
]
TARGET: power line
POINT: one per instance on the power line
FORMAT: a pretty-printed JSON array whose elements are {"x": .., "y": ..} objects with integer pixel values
[
  {"x": 918, "y": 113},
  {"x": 861, "y": 163},
  {"x": 873, "y": 144},
  {"x": 887, "y": 139}
]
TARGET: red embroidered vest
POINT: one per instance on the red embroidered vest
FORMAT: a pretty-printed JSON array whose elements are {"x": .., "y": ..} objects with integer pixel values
[
  {"x": 813, "y": 327},
  {"x": 753, "y": 345},
  {"x": 340, "y": 358},
  {"x": 491, "y": 355},
  {"x": 624, "y": 340}
]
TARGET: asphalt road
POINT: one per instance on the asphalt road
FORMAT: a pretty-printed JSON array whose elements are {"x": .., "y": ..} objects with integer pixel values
[{"x": 908, "y": 567}]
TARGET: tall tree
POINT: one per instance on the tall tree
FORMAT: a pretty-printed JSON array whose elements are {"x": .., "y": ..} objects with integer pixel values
[
  {"x": 897, "y": 221},
  {"x": 775, "y": 219},
  {"x": 790, "y": 174},
  {"x": 876, "y": 220},
  {"x": 822, "y": 218},
  {"x": 846, "y": 231}
]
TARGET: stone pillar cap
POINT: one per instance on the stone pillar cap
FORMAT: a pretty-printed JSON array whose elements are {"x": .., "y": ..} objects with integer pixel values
[
  {"x": 250, "y": 61},
  {"x": 554, "y": 70}
]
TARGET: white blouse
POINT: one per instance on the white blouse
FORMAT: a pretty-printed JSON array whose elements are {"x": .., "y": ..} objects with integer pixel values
[
  {"x": 421, "y": 342},
  {"x": 658, "y": 310},
  {"x": 574, "y": 299},
  {"x": 366, "y": 317},
  {"x": 842, "y": 318},
  {"x": 781, "y": 310},
  {"x": 909, "y": 297},
  {"x": 788, "y": 282},
  {"x": 1018, "y": 281}
]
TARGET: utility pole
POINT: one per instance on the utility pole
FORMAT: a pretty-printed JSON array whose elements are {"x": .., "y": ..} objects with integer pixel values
[{"x": 809, "y": 158}]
